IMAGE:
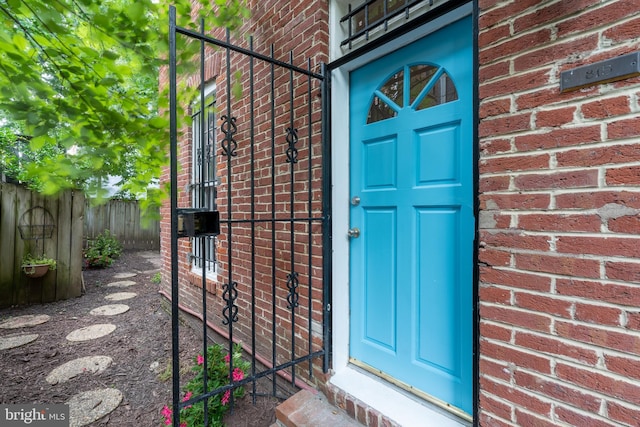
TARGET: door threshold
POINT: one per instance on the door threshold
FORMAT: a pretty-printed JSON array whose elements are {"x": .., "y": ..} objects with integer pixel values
[
  {"x": 411, "y": 390},
  {"x": 396, "y": 404}
]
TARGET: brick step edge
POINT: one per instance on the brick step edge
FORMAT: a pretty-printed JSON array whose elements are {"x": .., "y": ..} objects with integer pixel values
[{"x": 308, "y": 409}]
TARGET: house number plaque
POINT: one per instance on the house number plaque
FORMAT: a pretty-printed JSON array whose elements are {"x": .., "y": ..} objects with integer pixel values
[{"x": 606, "y": 71}]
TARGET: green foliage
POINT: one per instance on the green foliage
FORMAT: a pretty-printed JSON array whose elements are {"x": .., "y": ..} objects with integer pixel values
[
  {"x": 81, "y": 79},
  {"x": 102, "y": 250},
  {"x": 218, "y": 375},
  {"x": 16, "y": 154},
  {"x": 166, "y": 374},
  {"x": 29, "y": 259},
  {"x": 156, "y": 279}
]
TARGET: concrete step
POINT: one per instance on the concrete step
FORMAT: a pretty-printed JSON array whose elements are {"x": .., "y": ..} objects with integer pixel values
[{"x": 306, "y": 409}]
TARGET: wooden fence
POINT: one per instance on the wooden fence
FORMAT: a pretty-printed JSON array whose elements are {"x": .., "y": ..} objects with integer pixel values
[
  {"x": 39, "y": 225},
  {"x": 124, "y": 220}
]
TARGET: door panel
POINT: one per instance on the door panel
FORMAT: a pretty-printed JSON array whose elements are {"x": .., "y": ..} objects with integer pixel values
[
  {"x": 380, "y": 298},
  {"x": 411, "y": 165},
  {"x": 439, "y": 144},
  {"x": 438, "y": 312},
  {"x": 376, "y": 152}
]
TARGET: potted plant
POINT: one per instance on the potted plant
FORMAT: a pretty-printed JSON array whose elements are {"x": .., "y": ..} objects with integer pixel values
[{"x": 35, "y": 267}]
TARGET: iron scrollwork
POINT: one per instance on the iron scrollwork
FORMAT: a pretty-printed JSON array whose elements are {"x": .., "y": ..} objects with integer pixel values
[
  {"x": 229, "y": 128},
  {"x": 292, "y": 285},
  {"x": 206, "y": 155},
  {"x": 230, "y": 310},
  {"x": 209, "y": 153},
  {"x": 292, "y": 140}
]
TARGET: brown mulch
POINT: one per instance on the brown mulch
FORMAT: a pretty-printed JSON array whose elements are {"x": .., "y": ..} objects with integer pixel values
[{"x": 140, "y": 347}]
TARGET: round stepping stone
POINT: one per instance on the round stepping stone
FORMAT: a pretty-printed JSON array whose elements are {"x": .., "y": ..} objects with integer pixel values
[
  {"x": 73, "y": 368},
  {"x": 120, "y": 296},
  {"x": 124, "y": 275},
  {"x": 16, "y": 341},
  {"x": 153, "y": 257},
  {"x": 91, "y": 332},
  {"x": 90, "y": 406},
  {"x": 24, "y": 321},
  {"x": 110, "y": 310},
  {"x": 121, "y": 284}
]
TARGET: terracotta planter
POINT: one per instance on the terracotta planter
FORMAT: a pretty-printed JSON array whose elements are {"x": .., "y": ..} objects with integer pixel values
[{"x": 35, "y": 270}]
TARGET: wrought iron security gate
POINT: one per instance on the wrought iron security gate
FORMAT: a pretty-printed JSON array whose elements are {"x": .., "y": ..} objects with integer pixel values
[{"x": 254, "y": 223}]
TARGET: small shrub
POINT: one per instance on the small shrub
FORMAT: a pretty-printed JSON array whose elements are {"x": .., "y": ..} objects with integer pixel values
[
  {"x": 102, "y": 250},
  {"x": 217, "y": 375}
]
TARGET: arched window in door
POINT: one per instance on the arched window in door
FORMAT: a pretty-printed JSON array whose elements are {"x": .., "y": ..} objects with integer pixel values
[{"x": 418, "y": 87}]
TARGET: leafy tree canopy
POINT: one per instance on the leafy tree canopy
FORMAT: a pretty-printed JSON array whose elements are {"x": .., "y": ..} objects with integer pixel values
[{"x": 79, "y": 78}]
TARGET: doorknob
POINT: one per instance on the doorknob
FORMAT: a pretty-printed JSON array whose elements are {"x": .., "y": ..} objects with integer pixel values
[{"x": 354, "y": 232}]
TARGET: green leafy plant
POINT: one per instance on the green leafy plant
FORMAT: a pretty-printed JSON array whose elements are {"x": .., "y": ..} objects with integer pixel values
[
  {"x": 29, "y": 260},
  {"x": 16, "y": 154},
  {"x": 35, "y": 267},
  {"x": 156, "y": 279},
  {"x": 102, "y": 250},
  {"x": 218, "y": 375},
  {"x": 81, "y": 77}
]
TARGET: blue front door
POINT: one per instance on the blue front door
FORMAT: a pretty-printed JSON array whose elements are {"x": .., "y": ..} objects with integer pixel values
[{"x": 411, "y": 183}]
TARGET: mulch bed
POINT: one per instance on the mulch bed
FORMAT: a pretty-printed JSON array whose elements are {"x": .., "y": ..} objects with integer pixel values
[{"x": 140, "y": 347}]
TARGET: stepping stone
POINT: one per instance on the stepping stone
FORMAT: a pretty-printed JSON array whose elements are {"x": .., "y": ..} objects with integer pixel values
[
  {"x": 90, "y": 406},
  {"x": 124, "y": 275},
  {"x": 110, "y": 310},
  {"x": 91, "y": 332},
  {"x": 121, "y": 284},
  {"x": 153, "y": 257},
  {"x": 24, "y": 321},
  {"x": 73, "y": 368},
  {"x": 16, "y": 341},
  {"x": 120, "y": 296}
]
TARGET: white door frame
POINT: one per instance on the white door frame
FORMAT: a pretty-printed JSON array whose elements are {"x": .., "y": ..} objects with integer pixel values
[{"x": 393, "y": 403}]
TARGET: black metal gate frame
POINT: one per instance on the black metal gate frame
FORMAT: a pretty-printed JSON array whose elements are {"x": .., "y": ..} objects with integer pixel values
[{"x": 228, "y": 147}]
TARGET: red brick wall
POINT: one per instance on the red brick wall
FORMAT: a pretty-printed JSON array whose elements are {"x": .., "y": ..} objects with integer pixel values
[
  {"x": 300, "y": 27},
  {"x": 560, "y": 203}
]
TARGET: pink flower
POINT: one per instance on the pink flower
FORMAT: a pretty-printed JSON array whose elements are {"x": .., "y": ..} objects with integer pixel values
[
  {"x": 166, "y": 412},
  {"x": 167, "y": 422},
  {"x": 200, "y": 359},
  {"x": 227, "y": 358},
  {"x": 237, "y": 374},
  {"x": 226, "y": 397},
  {"x": 187, "y": 396},
  {"x": 183, "y": 424}
]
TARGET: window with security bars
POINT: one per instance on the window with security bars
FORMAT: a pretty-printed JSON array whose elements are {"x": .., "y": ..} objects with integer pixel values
[
  {"x": 370, "y": 19},
  {"x": 203, "y": 183}
]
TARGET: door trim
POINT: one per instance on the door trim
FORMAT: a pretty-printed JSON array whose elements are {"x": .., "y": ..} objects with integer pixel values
[
  {"x": 410, "y": 389},
  {"x": 340, "y": 204}
]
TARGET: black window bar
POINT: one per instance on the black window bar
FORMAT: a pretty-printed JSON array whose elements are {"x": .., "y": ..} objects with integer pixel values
[
  {"x": 375, "y": 13},
  {"x": 204, "y": 180}
]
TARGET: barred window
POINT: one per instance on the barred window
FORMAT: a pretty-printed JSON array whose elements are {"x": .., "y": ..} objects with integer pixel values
[{"x": 203, "y": 182}]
